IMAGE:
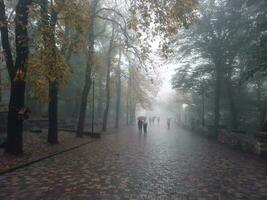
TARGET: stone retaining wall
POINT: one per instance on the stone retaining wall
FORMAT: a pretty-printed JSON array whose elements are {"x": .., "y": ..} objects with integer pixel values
[
  {"x": 253, "y": 143},
  {"x": 237, "y": 140}
]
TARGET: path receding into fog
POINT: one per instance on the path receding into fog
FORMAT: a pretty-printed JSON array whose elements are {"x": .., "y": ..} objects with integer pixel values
[{"x": 161, "y": 165}]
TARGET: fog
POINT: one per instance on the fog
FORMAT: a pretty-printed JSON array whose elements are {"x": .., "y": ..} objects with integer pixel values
[{"x": 82, "y": 80}]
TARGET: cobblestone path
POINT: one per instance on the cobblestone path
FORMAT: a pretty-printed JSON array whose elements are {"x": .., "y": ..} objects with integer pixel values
[{"x": 164, "y": 164}]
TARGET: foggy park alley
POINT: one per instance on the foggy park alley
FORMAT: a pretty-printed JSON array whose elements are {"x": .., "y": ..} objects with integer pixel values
[{"x": 133, "y": 99}]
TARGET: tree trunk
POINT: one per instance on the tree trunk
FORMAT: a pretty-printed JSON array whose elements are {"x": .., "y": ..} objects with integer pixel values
[
  {"x": 217, "y": 99},
  {"x": 76, "y": 106},
  {"x": 5, "y": 42},
  {"x": 1, "y": 89},
  {"x": 118, "y": 101},
  {"x": 17, "y": 74},
  {"x": 83, "y": 106},
  {"x": 233, "y": 109},
  {"x": 105, "y": 116},
  {"x": 52, "y": 113},
  {"x": 260, "y": 104},
  {"x": 262, "y": 117},
  {"x": 127, "y": 111},
  {"x": 127, "y": 104},
  {"x": 133, "y": 113},
  {"x": 99, "y": 101},
  {"x": 106, "y": 111},
  {"x": 203, "y": 107},
  {"x": 87, "y": 82},
  {"x": 50, "y": 44},
  {"x": 15, "y": 123},
  {"x": 129, "y": 98}
]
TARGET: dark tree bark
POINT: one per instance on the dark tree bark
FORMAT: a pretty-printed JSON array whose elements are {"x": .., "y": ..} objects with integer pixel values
[
  {"x": 48, "y": 31},
  {"x": 15, "y": 123},
  {"x": 232, "y": 104},
  {"x": 53, "y": 113},
  {"x": 83, "y": 106},
  {"x": 262, "y": 117},
  {"x": 5, "y": 42},
  {"x": 106, "y": 111},
  {"x": 99, "y": 100},
  {"x": 127, "y": 112},
  {"x": 118, "y": 101},
  {"x": 129, "y": 99},
  {"x": 88, "y": 81},
  {"x": 76, "y": 106},
  {"x": 261, "y": 105},
  {"x": 217, "y": 98},
  {"x": 0, "y": 86},
  {"x": 203, "y": 106},
  {"x": 53, "y": 86},
  {"x": 17, "y": 73}
]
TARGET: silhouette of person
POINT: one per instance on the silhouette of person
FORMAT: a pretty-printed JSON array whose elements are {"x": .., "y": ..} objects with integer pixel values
[
  {"x": 140, "y": 125},
  {"x": 145, "y": 126},
  {"x": 169, "y": 123},
  {"x": 150, "y": 121}
]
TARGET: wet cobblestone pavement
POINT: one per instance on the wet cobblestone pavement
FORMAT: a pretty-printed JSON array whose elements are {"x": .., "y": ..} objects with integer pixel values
[{"x": 161, "y": 165}]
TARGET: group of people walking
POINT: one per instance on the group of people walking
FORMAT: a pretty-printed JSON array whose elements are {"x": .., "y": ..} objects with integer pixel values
[
  {"x": 142, "y": 123},
  {"x": 153, "y": 119}
]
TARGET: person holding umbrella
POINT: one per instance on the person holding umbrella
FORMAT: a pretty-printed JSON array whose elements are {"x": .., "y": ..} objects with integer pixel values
[{"x": 140, "y": 123}]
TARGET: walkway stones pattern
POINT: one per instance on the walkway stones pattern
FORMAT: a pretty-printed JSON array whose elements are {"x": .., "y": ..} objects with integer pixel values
[{"x": 160, "y": 165}]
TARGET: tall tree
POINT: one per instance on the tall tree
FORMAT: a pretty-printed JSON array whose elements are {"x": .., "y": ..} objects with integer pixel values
[
  {"x": 89, "y": 65},
  {"x": 50, "y": 44},
  {"x": 230, "y": 38},
  {"x": 118, "y": 100},
  {"x": 49, "y": 20},
  {"x": 109, "y": 59},
  {"x": 217, "y": 38},
  {"x": 100, "y": 94},
  {"x": 17, "y": 72}
]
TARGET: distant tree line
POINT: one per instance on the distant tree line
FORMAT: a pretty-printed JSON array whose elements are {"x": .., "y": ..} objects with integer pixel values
[{"x": 223, "y": 64}]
